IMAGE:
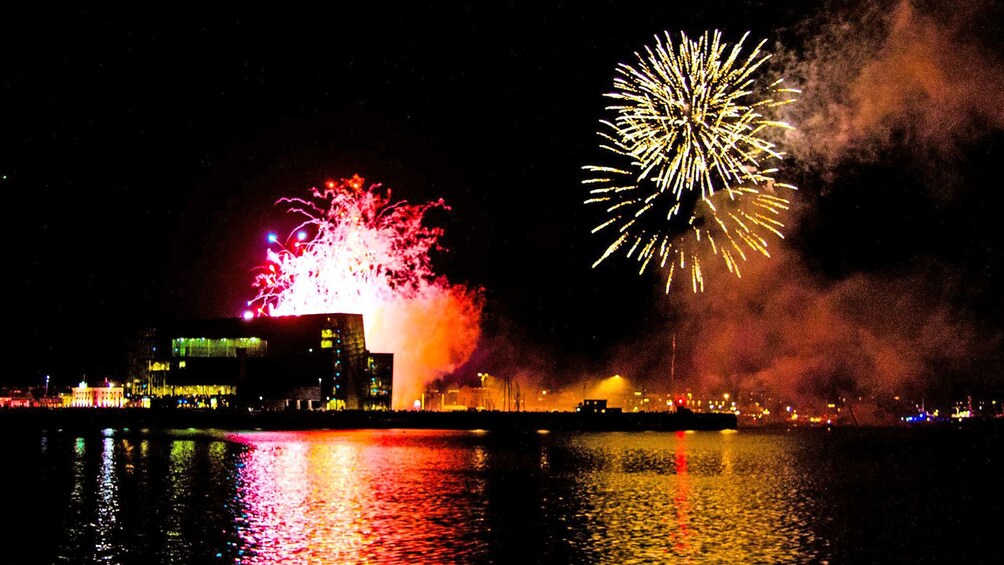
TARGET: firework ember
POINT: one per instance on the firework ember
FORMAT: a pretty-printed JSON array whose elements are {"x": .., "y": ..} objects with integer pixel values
[
  {"x": 730, "y": 224},
  {"x": 690, "y": 126},
  {"x": 357, "y": 251}
]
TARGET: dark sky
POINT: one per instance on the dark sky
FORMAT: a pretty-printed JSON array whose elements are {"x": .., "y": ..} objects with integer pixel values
[{"x": 144, "y": 149}]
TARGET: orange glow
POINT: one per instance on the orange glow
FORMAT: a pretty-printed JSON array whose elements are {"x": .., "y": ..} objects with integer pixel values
[{"x": 612, "y": 389}]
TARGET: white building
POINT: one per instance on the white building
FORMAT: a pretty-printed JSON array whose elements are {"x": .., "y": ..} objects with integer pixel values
[{"x": 108, "y": 396}]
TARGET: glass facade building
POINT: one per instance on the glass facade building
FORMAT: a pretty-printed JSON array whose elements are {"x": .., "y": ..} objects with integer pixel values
[{"x": 317, "y": 361}]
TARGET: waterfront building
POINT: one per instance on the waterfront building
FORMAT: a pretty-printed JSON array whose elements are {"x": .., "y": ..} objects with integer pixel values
[
  {"x": 380, "y": 375},
  {"x": 33, "y": 397},
  {"x": 316, "y": 361},
  {"x": 596, "y": 406},
  {"x": 16, "y": 399},
  {"x": 107, "y": 396}
]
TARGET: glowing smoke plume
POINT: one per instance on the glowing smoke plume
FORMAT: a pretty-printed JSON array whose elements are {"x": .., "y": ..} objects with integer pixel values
[
  {"x": 362, "y": 253},
  {"x": 813, "y": 339},
  {"x": 884, "y": 72}
]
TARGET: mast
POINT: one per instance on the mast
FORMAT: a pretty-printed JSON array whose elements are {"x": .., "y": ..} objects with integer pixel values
[{"x": 672, "y": 367}]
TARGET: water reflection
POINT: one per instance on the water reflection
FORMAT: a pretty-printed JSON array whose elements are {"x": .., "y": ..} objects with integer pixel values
[
  {"x": 177, "y": 496},
  {"x": 77, "y": 507},
  {"x": 107, "y": 501},
  {"x": 397, "y": 496},
  {"x": 391, "y": 496},
  {"x": 683, "y": 498},
  {"x": 346, "y": 497}
]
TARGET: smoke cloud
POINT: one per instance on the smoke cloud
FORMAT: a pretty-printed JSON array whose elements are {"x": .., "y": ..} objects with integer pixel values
[
  {"x": 886, "y": 73},
  {"x": 780, "y": 332},
  {"x": 785, "y": 332},
  {"x": 430, "y": 334}
]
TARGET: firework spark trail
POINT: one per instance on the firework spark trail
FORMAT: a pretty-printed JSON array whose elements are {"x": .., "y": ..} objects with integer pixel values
[
  {"x": 371, "y": 256},
  {"x": 690, "y": 126}
]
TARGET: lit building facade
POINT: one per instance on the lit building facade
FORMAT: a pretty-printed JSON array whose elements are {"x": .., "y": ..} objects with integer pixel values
[
  {"x": 108, "y": 396},
  {"x": 316, "y": 361},
  {"x": 380, "y": 372}
]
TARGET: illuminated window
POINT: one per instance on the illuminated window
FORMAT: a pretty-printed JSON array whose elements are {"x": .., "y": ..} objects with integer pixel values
[
  {"x": 159, "y": 366},
  {"x": 225, "y": 347}
]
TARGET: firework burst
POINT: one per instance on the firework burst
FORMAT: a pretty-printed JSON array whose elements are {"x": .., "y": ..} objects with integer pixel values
[
  {"x": 692, "y": 138},
  {"x": 365, "y": 250},
  {"x": 731, "y": 224},
  {"x": 357, "y": 251}
]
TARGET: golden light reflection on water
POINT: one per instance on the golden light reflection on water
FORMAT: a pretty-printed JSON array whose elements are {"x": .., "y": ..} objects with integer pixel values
[
  {"x": 681, "y": 501},
  {"x": 687, "y": 498}
]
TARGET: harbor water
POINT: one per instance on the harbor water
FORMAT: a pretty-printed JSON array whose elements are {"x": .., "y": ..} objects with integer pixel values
[{"x": 804, "y": 495}]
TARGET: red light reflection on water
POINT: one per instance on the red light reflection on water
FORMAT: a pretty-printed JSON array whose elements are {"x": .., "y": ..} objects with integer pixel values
[
  {"x": 321, "y": 497},
  {"x": 681, "y": 501}
]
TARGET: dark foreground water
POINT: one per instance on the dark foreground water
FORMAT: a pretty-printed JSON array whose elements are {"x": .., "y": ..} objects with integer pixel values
[{"x": 412, "y": 496}]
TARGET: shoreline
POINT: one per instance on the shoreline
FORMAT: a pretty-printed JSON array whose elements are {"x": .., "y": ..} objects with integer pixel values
[
  {"x": 102, "y": 418},
  {"x": 90, "y": 419}
]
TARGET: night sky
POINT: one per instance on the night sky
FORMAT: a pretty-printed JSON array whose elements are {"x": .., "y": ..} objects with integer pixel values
[{"x": 143, "y": 151}]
